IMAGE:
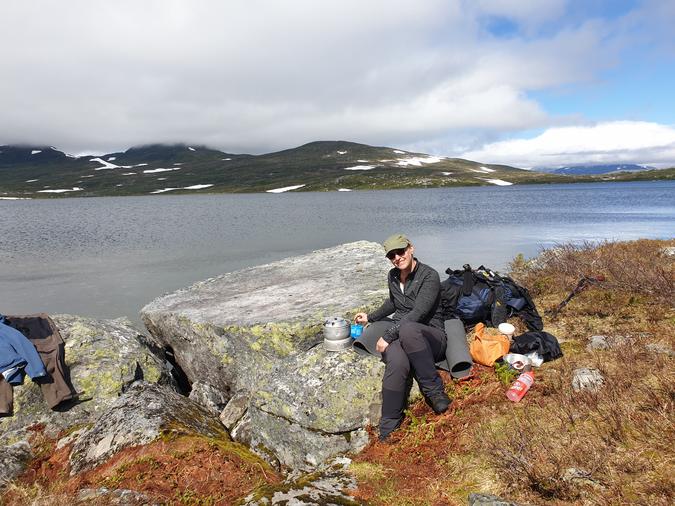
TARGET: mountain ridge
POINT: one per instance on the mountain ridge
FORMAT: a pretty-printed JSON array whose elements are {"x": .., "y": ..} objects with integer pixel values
[{"x": 38, "y": 171}]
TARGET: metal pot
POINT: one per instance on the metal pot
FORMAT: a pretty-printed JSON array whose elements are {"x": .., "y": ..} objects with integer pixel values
[
  {"x": 336, "y": 329},
  {"x": 336, "y": 334}
]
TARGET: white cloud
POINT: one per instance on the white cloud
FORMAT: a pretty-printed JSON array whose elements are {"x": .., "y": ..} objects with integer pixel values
[
  {"x": 256, "y": 76},
  {"x": 610, "y": 142}
]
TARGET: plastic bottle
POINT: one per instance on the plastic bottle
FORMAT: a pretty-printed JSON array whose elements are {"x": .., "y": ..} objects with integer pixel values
[{"x": 520, "y": 387}]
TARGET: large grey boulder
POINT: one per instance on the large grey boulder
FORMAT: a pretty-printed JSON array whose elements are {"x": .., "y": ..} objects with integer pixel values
[
  {"x": 104, "y": 357},
  {"x": 314, "y": 406},
  {"x": 138, "y": 417},
  {"x": 230, "y": 331}
]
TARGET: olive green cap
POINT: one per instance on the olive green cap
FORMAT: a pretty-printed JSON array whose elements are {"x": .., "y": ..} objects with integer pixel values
[{"x": 396, "y": 241}]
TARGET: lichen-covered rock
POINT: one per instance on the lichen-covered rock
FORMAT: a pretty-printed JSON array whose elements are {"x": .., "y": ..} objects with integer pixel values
[
  {"x": 477, "y": 499},
  {"x": 117, "y": 497},
  {"x": 660, "y": 348},
  {"x": 13, "y": 460},
  {"x": 104, "y": 357},
  {"x": 235, "y": 410},
  {"x": 209, "y": 397},
  {"x": 139, "y": 416},
  {"x": 315, "y": 406},
  {"x": 332, "y": 392},
  {"x": 230, "y": 331},
  {"x": 587, "y": 378},
  {"x": 608, "y": 342},
  {"x": 328, "y": 484},
  {"x": 597, "y": 343}
]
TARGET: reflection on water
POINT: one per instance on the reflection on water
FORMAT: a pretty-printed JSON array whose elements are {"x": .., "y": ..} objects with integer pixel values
[{"x": 107, "y": 257}]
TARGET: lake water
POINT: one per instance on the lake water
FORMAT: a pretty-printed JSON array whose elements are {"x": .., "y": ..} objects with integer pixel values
[{"x": 109, "y": 256}]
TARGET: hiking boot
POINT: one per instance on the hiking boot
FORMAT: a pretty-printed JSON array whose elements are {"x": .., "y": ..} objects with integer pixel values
[
  {"x": 439, "y": 402},
  {"x": 387, "y": 426}
]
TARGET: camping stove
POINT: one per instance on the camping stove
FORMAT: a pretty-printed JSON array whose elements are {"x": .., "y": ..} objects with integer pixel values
[{"x": 336, "y": 336}]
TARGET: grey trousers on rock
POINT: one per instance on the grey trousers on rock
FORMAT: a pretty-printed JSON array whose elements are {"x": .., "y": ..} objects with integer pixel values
[{"x": 413, "y": 354}]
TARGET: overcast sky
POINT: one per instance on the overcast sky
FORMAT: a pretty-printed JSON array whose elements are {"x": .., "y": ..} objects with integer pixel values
[{"x": 523, "y": 82}]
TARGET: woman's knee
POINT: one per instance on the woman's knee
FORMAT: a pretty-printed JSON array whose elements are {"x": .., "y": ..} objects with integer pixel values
[
  {"x": 395, "y": 358},
  {"x": 410, "y": 336}
]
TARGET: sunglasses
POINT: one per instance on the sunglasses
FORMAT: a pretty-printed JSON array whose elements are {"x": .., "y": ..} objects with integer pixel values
[{"x": 393, "y": 253}]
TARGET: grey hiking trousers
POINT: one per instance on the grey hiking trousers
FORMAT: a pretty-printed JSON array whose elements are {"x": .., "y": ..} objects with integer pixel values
[{"x": 413, "y": 354}]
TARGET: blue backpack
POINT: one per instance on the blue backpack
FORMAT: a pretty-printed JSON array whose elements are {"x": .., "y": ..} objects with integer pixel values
[{"x": 482, "y": 295}]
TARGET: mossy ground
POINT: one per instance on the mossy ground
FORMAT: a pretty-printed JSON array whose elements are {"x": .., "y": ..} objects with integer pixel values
[
  {"x": 556, "y": 446},
  {"x": 184, "y": 469}
]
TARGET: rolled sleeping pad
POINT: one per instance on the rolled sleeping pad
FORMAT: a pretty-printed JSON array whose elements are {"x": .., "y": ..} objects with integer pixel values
[
  {"x": 365, "y": 343},
  {"x": 457, "y": 357}
]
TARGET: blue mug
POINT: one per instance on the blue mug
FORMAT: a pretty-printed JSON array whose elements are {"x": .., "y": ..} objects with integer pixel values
[{"x": 356, "y": 330}]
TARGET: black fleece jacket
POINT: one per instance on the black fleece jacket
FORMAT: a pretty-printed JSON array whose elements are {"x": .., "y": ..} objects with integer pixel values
[{"x": 419, "y": 302}]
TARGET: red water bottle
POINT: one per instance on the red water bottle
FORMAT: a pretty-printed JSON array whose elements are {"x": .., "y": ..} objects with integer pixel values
[{"x": 521, "y": 385}]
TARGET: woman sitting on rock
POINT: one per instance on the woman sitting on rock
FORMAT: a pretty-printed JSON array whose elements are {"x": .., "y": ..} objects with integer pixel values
[{"x": 412, "y": 339}]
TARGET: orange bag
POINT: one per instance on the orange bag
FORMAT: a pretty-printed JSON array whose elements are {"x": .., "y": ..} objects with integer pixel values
[{"x": 485, "y": 349}]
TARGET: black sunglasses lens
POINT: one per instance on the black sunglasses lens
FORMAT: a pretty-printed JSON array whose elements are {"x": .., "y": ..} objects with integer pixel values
[{"x": 395, "y": 252}]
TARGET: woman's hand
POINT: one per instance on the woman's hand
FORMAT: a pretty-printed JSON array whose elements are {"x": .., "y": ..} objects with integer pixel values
[
  {"x": 361, "y": 318},
  {"x": 381, "y": 345}
]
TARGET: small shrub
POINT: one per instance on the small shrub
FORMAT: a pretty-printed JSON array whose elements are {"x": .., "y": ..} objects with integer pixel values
[
  {"x": 505, "y": 373},
  {"x": 636, "y": 267}
]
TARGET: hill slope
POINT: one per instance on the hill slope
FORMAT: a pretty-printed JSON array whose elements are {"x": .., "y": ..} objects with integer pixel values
[{"x": 41, "y": 172}]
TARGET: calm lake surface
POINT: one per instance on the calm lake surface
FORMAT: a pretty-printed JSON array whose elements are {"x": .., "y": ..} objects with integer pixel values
[{"x": 109, "y": 256}]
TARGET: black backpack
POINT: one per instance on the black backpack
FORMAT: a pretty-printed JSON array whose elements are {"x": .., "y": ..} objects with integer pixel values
[{"x": 482, "y": 295}]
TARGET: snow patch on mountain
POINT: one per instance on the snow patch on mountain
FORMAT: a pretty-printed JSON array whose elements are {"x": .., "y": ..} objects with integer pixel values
[
  {"x": 197, "y": 187},
  {"x": 107, "y": 165},
  {"x": 154, "y": 171},
  {"x": 193, "y": 187},
  {"x": 74, "y": 189},
  {"x": 361, "y": 167},
  {"x": 285, "y": 189},
  {"x": 417, "y": 161},
  {"x": 498, "y": 182}
]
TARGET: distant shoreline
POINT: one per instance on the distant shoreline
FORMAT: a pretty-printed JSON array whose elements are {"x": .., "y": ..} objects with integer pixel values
[{"x": 624, "y": 177}]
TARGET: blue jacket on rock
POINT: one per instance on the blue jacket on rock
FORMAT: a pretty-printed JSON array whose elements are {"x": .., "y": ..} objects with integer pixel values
[{"x": 17, "y": 353}]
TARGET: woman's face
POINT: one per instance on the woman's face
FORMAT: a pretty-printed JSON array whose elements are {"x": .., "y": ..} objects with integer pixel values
[{"x": 402, "y": 258}]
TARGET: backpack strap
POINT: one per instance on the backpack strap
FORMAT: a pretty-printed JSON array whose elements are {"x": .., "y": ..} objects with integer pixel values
[{"x": 467, "y": 280}]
